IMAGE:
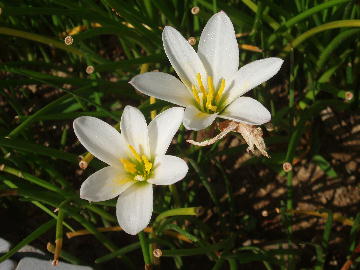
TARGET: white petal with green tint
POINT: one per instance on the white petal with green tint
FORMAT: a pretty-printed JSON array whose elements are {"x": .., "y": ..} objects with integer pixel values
[
  {"x": 134, "y": 208},
  {"x": 162, "y": 86},
  {"x": 104, "y": 184},
  {"x": 218, "y": 48},
  {"x": 252, "y": 75},
  {"x": 100, "y": 139},
  {"x": 134, "y": 129},
  {"x": 196, "y": 120},
  {"x": 182, "y": 56},
  {"x": 169, "y": 170},
  {"x": 163, "y": 128},
  {"x": 247, "y": 110}
]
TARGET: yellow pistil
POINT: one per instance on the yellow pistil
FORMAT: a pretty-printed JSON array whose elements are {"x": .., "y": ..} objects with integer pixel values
[
  {"x": 128, "y": 165},
  {"x": 147, "y": 164},
  {"x": 220, "y": 91},
  {"x": 210, "y": 95},
  {"x": 135, "y": 154}
]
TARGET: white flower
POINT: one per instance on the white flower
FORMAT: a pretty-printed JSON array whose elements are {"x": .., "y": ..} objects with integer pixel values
[
  {"x": 136, "y": 160},
  {"x": 211, "y": 85}
]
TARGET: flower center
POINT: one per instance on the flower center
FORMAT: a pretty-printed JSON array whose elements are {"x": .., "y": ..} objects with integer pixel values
[
  {"x": 138, "y": 167},
  {"x": 208, "y": 100}
]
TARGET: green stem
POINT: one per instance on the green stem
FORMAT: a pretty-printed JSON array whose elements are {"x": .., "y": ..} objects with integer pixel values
[
  {"x": 59, "y": 225},
  {"x": 144, "y": 248}
]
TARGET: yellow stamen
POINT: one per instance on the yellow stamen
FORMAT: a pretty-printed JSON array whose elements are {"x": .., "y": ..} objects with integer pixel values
[
  {"x": 147, "y": 164},
  {"x": 128, "y": 165},
  {"x": 211, "y": 85},
  {"x": 220, "y": 91},
  {"x": 201, "y": 86},
  {"x": 196, "y": 96},
  {"x": 135, "y": 154}
]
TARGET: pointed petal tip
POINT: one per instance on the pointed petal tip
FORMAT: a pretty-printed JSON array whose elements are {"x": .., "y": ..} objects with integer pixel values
[
  {"x": 167, "y": 29},
  {"x": 277, "y": 61}
]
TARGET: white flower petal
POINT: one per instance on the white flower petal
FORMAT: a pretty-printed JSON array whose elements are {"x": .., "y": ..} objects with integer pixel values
[
  {"x": 247, "y": 110},
  {"x": 196, "y": 120},
  {"x": 218, "y": 48},
  {"x": 100, "y": 139},
  {"x": 168, "y": 170},
  {"x": 163, "y": 128},
  {"x": 252, "y": 75},
  {"x": 162, "y": 86},
  {"x": 182, "y": 56},
  {"x": 134, "y": 207},
  {"x": 134, "y": 129},
  {"x": 105, "y": 184}
]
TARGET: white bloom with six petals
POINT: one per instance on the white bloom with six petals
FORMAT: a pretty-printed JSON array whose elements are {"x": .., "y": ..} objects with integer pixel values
[
  {"x": 211, "y": 85},
  {"x": 136, "y": 160}
]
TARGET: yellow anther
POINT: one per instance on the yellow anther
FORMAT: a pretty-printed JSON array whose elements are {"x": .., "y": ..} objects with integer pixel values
[
  {"x": 147, "y": 164},
  {"x": 195, "y": 93},
  {"x": 128, "y": 165},
  {"x": 135, "y": 154},
  {"x": 201, "y": 86},
  {"x": 220, "y": 91}
]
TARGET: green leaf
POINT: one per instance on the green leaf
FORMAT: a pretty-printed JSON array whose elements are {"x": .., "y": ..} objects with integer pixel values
[{"x": 325, "y": 166}]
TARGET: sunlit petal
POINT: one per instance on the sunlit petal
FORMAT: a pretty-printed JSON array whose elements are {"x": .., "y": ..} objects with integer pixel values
[
  {"x": 100, "y": 139},
  {"x": 168, "y": 170},
  {"x": 162, "y": 86},
  {"x": 218, "y": 48},
  {"x": 182, "y": 56},
  {"x": 134, "y": 129},
  {"x": 197, "y": 120},
  {"x": 105, "y": 184},
  {"x": 163, "y": 128},
  {"x": 252, "y": 75},
  {"x": 134, "y": 208},
  {"x": 247, "y": 110}
]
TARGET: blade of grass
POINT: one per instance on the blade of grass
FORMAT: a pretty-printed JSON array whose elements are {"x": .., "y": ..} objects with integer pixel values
[{"x": 327, "y": 26}]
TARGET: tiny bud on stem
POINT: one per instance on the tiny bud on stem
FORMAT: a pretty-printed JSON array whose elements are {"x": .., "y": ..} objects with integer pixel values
[
  {"x": 349, "y": 96},
  {"x": 68, "y": 40},
  {"x": 157, "y": 253},
  {"x": 195, "y": 10},
  {"x": 90, "y": 69},
  {"x": 192, "y": 41},
  {"x": 287, "y": 167},
  {"x": 83, "y": 164}
]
